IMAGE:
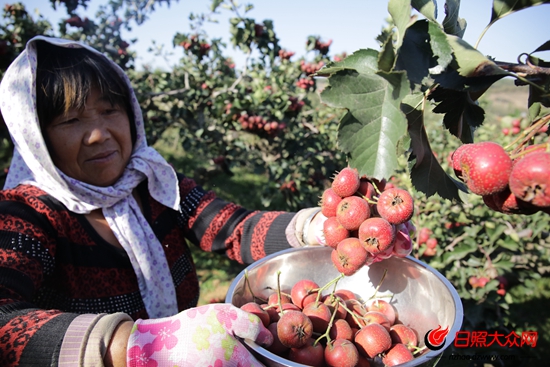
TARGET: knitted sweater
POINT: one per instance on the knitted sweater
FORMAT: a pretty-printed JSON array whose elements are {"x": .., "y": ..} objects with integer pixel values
[{"x": 54, "y": 266}]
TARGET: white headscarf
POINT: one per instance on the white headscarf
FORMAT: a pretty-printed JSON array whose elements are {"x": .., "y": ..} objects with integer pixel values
[{"x": 32, "y": 164}]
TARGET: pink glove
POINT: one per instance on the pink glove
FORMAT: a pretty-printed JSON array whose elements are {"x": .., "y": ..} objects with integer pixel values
[{"x": 201, "y": 336}]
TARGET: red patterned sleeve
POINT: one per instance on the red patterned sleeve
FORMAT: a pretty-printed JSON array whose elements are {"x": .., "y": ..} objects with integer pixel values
[
  {"x": 219, "y": 226},
  {"x": 28, "y": 334}
]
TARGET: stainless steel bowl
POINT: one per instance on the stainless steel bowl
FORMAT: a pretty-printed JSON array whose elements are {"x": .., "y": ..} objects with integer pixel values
[{"x": 423, "y": 297}]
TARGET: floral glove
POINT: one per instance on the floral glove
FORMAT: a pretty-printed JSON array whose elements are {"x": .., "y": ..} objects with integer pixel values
[{"x": 201, "y": 336}]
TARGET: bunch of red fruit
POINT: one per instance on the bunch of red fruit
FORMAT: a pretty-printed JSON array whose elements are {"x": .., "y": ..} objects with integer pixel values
[
  {"x": 519, "y": 185},
  {"x": 334, "y": 330},
  {"x": 193, "y": 44},
  {"x": 286, "y": 55},
  {"x": 257, "y": 123},
  {"x": 305, "y": 83},
  {"x": 367, "y": 220},
  {"x": 322, "y": 47},
  {"x": 425, "y": 237},
  {"x": 295, "y": 104},
  {"x": 311, "y": 68},
  {"x": 76, "y": 21}
]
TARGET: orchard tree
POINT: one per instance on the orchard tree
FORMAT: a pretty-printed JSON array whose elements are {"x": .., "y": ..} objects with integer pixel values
[
  {"x": 296, "y": 121},
  {"x": 421, "y": 64}
]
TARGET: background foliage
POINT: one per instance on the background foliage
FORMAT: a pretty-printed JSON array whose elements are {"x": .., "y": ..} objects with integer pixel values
[{"x": 274, "y": 130}]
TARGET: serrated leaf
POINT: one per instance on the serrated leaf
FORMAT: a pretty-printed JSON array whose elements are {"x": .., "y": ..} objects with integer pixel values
[
  {"x": 440, "y": 46},
  {"x": 370, "y": 131},
  {"x": 415, "y": 55},
  {"x": 462, "y": 115},
  {"x": 427, "y": 175},
  {"x": 502, "y": 8},
  {"x": 452, "y": 23},
  {"x": 400, "y": 11},
  {"x": 386, "y": 58},
  {"x": 427, "y": 8},
  {"x": 471, "y": 62},
  {"x": 363, "y": 61},
  {"x": 538, "y": 96}
]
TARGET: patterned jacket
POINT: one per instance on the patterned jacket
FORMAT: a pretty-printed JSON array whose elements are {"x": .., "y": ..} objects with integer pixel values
[{"x": 60, "y": 282}]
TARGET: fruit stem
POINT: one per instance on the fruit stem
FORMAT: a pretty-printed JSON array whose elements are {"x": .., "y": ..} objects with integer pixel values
[
  {"x": 353, "y": 314},
  {"x": 527, "y": 134},
  {"x": 418, "y": 350},
  {"x": 327, "y": 332},
  {"x": 333, "y": 281},
  {"x": 528, "y": 150},
  {"x": 247, "y": 285},
  {"x": 279, "y": 301}
]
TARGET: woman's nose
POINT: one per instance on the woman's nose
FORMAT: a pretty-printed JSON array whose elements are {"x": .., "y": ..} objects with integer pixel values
[{"x": 97, "y": 133}]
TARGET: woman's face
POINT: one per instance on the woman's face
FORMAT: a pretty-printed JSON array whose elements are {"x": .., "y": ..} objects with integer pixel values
[{"x": 93, "y": 144}]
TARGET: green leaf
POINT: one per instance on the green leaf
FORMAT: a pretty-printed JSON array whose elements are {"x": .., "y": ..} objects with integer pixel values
[
  {"x": 508, "y": 243},
  {"x": 364, "y": 61},
  {"x": 471, "y": 62},
  {"x": 502, "y": 8},
  {"x": 370, "y": 131},
  {"x": 452, "y": 24},
  {"x": 459, "y": 252},
  {"x": 386, "y": 58},
  {"x": 400, "y": 11},
  {"x": 427, "y": 8},
  {"x": 215, "y": 4},
  {"x": 427, "y": 175},
  {"x": 462, "y": 115},
  {"x": 544, "y": 47},
  {"x": 440, "y": 46},
  {"x": 415, "y": 55}
]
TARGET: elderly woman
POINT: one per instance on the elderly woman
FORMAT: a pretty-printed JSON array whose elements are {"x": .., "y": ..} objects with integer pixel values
[{"x": 94, "y": 264}]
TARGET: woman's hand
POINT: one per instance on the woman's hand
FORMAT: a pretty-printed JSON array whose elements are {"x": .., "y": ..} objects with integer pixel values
[
  {"x": 313, "y": 235},
  {"x": 201, "y": 336}
]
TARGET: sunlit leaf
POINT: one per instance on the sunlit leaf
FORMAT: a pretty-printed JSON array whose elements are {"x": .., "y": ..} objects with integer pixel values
[
  {"x": 502, "y": 8},
  {"x": 370, "y": 131},
  {"x": 400, "y": 10},
  {"x": 471, "y": 62},
  {"x": 215, "y": 4},
  {"x": 427, "y": 8},
  {"x": 363, "y": 61},
  {"x": 440, "y": 46}
]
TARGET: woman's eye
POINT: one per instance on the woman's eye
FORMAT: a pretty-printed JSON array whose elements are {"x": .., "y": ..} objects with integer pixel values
[
  {"x": 110, "y": 111},
  {"x": 70, "y": 121}
]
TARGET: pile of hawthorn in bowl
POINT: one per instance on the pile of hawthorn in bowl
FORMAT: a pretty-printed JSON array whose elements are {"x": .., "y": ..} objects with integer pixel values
[{"x": 397, "y": 311}]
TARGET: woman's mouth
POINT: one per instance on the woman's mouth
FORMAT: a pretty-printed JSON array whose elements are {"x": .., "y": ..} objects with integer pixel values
[{"x": 102, "y": 157}]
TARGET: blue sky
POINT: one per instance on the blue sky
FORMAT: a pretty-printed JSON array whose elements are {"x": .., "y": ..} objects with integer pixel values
[{"x": 351, "y": 24}]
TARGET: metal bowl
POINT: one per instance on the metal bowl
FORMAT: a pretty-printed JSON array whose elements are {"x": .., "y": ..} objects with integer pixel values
[{"x": 424, "y": 298}]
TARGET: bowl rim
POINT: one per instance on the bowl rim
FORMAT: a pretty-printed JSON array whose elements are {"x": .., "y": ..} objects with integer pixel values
[{"x": 431, "y": 355}]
